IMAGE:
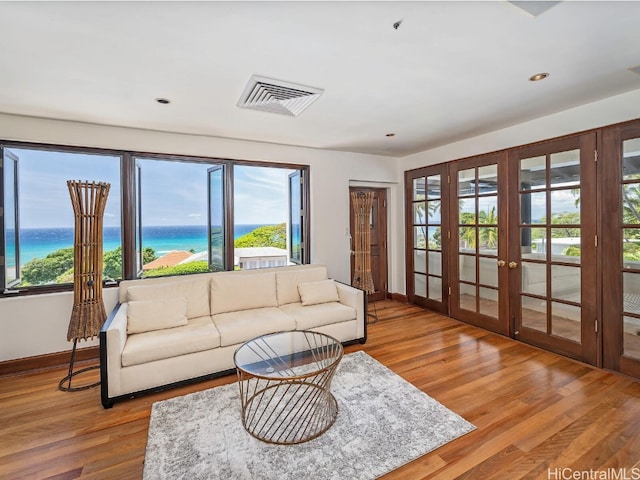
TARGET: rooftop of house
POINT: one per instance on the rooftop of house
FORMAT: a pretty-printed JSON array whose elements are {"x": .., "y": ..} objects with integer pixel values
[{"x": 167, "y": 260}]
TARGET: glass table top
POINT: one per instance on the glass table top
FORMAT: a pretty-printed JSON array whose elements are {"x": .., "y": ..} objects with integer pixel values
[{"x": 290, "y": 354}]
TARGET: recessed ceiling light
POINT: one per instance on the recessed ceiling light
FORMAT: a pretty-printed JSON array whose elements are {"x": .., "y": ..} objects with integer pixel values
[
  {"x": 390, "y": 135},
  {"x": 163, "y": 101},
  {"x": 538, "y": 76}
]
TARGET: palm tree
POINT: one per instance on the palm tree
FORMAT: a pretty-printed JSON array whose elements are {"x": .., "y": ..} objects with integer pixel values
[{"x": 488, "y": 236}]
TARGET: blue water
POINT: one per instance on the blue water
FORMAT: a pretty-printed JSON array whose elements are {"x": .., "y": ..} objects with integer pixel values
[{"x": 39, "y": 242}]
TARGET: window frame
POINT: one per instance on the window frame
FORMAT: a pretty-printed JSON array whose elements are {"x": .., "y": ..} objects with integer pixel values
[
  {"x": 130, "y": 204},
  {"x": 8, "y": 286}
]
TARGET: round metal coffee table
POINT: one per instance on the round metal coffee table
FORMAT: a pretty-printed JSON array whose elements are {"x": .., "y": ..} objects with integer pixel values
[{"x": 284, "y": 381}]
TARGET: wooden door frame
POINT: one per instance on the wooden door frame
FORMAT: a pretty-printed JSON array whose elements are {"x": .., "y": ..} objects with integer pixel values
[{"x": 384, "y": 248}]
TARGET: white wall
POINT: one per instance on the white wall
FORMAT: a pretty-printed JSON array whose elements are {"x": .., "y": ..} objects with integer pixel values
[
  {"x": 38, "y": 324},
  {"x": 35, "y": 325},
  {"x": 605, "y": 112}
]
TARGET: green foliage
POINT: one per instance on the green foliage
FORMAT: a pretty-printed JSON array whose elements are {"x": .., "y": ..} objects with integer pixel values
[
  {"x": 488, "y": 235},
  {"x": 267, "y": 236},
  {"x": 435, "y": 242},
  {"x": 572, "y": 251},
  {"x": 57, "y": 267},
  {"x": 40, "y": 271},
  {"x": 182, "y": 269},
  {"x": 565, "y": 219},
  {"x": 113, "y": 261},
  {"x": 631, "y": 203},
  {"x": 631, "y": 251}
]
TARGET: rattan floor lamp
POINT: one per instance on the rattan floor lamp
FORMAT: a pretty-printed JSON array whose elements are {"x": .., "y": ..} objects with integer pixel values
[
  {"x": 88, "y": 314},
  {"x": 361, "y": 203}
]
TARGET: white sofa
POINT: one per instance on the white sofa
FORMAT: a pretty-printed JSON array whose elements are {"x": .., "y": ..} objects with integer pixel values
[{"x": 172, "y": 330}]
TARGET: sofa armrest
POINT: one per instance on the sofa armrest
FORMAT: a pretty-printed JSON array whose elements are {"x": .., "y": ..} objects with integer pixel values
[
  {"x": 356, "y": 299},
  {"x": 113, "y": 337}
]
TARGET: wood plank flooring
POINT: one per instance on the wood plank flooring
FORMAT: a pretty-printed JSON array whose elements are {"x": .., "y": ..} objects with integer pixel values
[{"x": 538, "y": 415}]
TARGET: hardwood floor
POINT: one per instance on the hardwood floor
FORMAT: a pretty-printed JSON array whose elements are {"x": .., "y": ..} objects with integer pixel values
[{"x": 533, "y": 410}]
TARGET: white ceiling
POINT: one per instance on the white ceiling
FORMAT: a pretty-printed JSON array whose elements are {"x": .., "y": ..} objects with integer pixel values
[{"x": 450, "y": 71}]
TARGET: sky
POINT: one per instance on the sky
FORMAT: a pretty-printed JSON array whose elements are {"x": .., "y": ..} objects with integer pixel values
[{"x": 174, "y": 193}]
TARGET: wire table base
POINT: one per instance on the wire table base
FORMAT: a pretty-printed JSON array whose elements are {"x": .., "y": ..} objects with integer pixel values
[{"x": 285, "y": 394}]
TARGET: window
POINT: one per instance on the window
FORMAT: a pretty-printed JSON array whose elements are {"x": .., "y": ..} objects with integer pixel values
[
  {"x": 172, "y": 217},
  {"x": 38, "y": 216},
  {"x": 264, "y": 228},
  {"x": 192, "y": 221},
  {"x": 166, "y": 215}
]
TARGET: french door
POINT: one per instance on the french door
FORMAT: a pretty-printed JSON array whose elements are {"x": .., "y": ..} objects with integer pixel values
[
  {"x": 552, "y": 219},
  {"x": 621, "y": 232},
  {"x": 513, "y": 243},
  {"x": 427, "y": 214},
  {"x": 479, "y": 280}
]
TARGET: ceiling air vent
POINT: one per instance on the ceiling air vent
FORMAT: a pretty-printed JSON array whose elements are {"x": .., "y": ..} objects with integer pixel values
[
  {"x": 533, "y": 7},
  {"x": 276, "y": 96},
  {"x": 635, "y": 69}
]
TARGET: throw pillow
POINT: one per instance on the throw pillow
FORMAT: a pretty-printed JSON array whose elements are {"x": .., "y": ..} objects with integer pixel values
[
  {"x": 148, "y": 315},
  {"x": 313, "y": 293}
]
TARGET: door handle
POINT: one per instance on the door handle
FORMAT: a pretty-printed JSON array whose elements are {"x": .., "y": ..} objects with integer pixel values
[
  {"x": 501, "y": 263},
  {"x": 513, "y": 264}
]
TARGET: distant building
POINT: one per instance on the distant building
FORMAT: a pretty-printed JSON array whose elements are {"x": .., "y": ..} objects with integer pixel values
[
  {"x": 558, "y": 245},
  {"x": 248, "y": 258},
  {"x": 260, "y": 257}
]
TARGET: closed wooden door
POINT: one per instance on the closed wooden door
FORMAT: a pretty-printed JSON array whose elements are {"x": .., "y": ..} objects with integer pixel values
[{"x": 378, "y": 242}]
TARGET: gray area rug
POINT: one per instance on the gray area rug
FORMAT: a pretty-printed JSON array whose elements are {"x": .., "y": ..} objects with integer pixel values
[{"x": 383, "y": 423}]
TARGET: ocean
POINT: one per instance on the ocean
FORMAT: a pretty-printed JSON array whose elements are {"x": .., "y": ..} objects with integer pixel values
[{"x": 39, "y": 242}]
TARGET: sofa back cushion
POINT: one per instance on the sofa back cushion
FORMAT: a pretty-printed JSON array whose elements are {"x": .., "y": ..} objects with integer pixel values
[
  {"x": 236, "y": 291},
  {"x": 148, "y": 315},
  {"x": 194, "y": 290},
  {"x": 314, "y": 293},
  {"x": 287, "y": 282}
]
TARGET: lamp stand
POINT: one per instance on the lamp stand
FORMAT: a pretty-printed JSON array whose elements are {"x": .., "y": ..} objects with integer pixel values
[
  {"x": 88, "y": 314},
  {"x": 68, "y": 387}
]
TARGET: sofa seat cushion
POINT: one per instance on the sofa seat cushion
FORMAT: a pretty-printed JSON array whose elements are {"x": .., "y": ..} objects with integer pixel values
[
  {"x": 238, "y": 327},
  {"x": 311, "y": 316},
  {"x": 198, "y": 335}
]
